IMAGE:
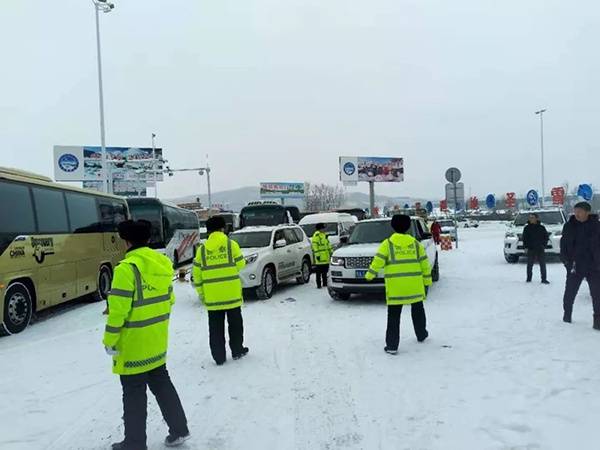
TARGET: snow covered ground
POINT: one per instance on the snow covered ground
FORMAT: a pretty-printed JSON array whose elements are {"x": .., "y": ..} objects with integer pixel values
[{"x": 500, "y": 370}]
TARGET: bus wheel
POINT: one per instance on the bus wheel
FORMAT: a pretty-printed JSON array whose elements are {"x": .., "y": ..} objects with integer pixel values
[
  {"x": 104, "y": 282},
  {"x": 18, "y": 308}
]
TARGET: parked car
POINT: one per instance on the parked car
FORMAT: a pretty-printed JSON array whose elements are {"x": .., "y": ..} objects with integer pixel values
[
  {"x": 449, "y": 227},
  {"x": 350, "y": 263},
  {"x": 338, "y": 226},
  {"x": 552, "y": 219},
  {"x": 273, "y": 254}
]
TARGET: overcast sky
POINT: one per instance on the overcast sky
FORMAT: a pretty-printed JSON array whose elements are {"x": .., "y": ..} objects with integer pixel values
[{"x": 276, "y": 90}]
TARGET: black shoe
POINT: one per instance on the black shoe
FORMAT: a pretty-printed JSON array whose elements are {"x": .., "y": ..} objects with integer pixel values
[
  {"x": 545, "y": 282},
  {"x": 567, "y": 317},
  {"x": 390, "y": 351},
  {"x": 244, "y": 352},
  {"x": 528, "y": 280},
  {"x": 220, "y": 363},
  {"x": 125, "y": 446},
  {"x": 318, "y": 287},
  {"x": 176, "y": 441},
  {"x": 597, "y": 322},
  {"x": 421, "y": 339}
]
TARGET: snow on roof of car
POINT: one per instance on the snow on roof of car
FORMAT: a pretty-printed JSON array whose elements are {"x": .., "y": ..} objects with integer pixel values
[
  {"x": 257, "y": 228},
  {"x": 325, "y": 217}
]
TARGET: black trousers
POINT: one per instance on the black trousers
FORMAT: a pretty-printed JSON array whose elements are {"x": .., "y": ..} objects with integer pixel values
[
  {"x": 321, "y": 271},
  {"x": 572, "y": 286},
  {"x": 540, "y": 256},
  {"x": 392, "y": 335},
  {"x": 135, "y": 404},
  {"x": 216, "y": 333}
]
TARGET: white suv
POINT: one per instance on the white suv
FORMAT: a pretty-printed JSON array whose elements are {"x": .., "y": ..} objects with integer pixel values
[
  {"x": 350, "y": 263},
  {"x": 273, "y": 254},
  {"x": 552, "y": 219}
]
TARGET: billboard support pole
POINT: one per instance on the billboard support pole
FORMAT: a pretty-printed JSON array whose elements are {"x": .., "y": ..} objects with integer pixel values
[
  {"x": 372, "y": 198},
  {"x": 154, "y": 167},
  {"x": 208, "y": 187}
]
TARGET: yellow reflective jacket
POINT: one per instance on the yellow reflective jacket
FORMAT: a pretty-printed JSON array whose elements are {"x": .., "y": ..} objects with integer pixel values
[
  {"x": 406, "y": 269},
  {"x": 139, "y": 305},
  {"x": 216, "y": 272},
  {"x": 321, "y": 247}
]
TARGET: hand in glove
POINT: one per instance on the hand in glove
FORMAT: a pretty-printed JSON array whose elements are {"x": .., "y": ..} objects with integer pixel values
[{"x": 111, "y": 351}]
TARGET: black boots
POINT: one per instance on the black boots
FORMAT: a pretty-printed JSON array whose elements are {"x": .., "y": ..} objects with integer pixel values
[
  {"x": 567, "y": 317},
  {"x": 243, "y": 353},
  {"x": 596, "y": 321}
]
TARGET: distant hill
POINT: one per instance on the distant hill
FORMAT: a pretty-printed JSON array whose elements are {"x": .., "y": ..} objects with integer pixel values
[{"x": 235, "y": 199}]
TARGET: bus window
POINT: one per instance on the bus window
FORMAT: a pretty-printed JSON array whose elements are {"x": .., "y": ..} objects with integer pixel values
[
  {"x": 17, "y": 213},
  {"x": 120, "y": 212},
  {"x": 50, "y": 210},
  {"x": 82, "y": 212}
]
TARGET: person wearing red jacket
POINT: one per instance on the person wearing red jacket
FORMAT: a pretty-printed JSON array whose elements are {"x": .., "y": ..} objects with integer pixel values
[{"x": 436, "y": 231}]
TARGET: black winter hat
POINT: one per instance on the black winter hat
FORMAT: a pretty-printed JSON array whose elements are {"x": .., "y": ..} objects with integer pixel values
[
  {"x": 584, "y": 205},
  {"x": 320, "y": 226},
  {"x": 215, "y": 223},
  {"x": 135, "y": 231},
  {"x": 401, "y": 223}
]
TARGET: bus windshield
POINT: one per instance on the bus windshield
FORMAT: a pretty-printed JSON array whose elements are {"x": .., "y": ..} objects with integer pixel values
[
  {"x": 152, "y": 213},
  {"x": 267, "y": 215}
]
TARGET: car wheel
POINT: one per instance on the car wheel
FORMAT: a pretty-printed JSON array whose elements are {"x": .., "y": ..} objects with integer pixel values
[
  {"x": 339, "y": 295},
  {"x": 435, "y": 272},
  {"x": 265, "y": 290},
  {"x": 305, "y": 277},
  {"x": 511, "y": 259},
  {"x": 104, "y": 282},
  {"x": 18, "y": 309}
]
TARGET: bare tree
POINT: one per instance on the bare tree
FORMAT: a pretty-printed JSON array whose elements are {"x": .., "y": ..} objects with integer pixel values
[{"x": 323, "y": 197}]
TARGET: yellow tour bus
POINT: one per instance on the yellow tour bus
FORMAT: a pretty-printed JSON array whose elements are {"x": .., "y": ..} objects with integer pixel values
[{"x": 57, "y": 243}]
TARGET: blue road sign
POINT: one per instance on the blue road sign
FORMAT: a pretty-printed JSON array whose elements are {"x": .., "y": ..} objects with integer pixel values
[
  {"x": 532, "y": 197},
  {"x": 406, "y": 206},
  {"x": 585, "y": 191},
  {"x": 429, "y": 207},
  {"x": 490, "y": 201}
]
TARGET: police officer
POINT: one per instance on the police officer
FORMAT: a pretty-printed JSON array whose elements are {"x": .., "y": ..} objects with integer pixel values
[
  {"x": 407, "y": 277},
  {"x": 136, "y": 336},
  {"x": 216, "y": 279},
  {"x": 322, "y": 251}
]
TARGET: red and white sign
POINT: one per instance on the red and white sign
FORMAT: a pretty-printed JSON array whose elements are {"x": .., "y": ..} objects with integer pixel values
[
  {"x": 511, "y": 199},
  {"x": 474, "y": 203},
  {"x": 444, "y": 205},
  {"x": 558, "y": 195}
]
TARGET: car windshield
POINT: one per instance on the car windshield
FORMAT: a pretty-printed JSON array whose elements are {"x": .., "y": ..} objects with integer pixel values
[
  {"x": 371, "y": 232},
  {"x": 546, "y": 217},
  {"x": 331, "y": 229},
  {"x": 446, "y": 223},
  {"x": 262, "y": 215},
  {"x": 252, "y": 240}
]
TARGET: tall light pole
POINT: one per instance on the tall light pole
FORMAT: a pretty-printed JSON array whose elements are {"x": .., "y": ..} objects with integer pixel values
[
  {"x": 541, "y": 114},
  {"x": 105, "y": 7},
  {"x": 154, "y": 167}
]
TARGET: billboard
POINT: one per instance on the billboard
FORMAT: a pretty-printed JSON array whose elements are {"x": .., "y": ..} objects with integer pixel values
[
  {"x": 371, "y": 168},
  {"x": 282, "y": 190},
  {"x": 122, "y": 188},
  {"x": 84, "y": 163}
]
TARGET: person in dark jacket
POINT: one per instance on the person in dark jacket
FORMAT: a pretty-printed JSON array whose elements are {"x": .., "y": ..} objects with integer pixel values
[
  {"x": 580, "y": 253},
  {"x": 535, "y": 238}
]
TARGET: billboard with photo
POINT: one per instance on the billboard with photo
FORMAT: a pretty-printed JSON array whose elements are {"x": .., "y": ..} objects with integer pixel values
[
  {"x": 282, "y": 190},
  {"x": 371, "y": 168},
  {"x": 122, "y": 188}
]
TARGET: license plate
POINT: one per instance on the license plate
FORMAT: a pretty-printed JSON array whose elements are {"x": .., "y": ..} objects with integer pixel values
[{"x": 361, "y": 273}]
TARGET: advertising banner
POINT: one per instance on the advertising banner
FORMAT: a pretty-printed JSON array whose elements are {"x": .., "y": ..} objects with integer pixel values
[
  {"x": 282, "y": 190},
  {"x": 84, "y": 163},
  {"x": 371, "y": 168},
  {"x": 122, "y": 188}
]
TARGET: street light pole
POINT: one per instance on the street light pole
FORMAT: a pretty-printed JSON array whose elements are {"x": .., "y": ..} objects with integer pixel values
[
  {"x": 541, "y": 114},
  {"x": 102, "y": 5},
  {"x": 154, "y": 167}
]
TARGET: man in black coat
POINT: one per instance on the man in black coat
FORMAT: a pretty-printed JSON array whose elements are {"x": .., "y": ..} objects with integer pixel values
[
  {"x": 580, "y": 253},
  {"x": 535, "y": 238}
]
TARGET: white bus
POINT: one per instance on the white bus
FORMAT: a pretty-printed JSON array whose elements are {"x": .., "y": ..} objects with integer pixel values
[{"x": 175, "y": 231}]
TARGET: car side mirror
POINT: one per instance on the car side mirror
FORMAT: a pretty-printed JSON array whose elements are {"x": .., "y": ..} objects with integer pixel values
[{"x": 280, "y": 243}]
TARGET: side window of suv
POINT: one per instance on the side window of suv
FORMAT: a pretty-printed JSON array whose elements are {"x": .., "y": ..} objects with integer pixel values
[
  {"x": 299, "y": 234},
  {"x": 278, "y": 236},
  {"x": 290, "y": 236}
]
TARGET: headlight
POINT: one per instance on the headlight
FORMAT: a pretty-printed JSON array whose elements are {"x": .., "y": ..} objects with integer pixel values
[
  {"x": 335, "y": 261},
  {"x": 251, "y": 258},
  {"x": 510, "y": 234}
]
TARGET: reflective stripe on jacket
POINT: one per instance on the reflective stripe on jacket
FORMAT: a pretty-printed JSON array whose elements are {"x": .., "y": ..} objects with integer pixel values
[
  {"x": 406, "y": 269},
  {"x": 139, "y": 305},
  {"x": 321, "y": 248},
  {"x": 216, "y": 272}
]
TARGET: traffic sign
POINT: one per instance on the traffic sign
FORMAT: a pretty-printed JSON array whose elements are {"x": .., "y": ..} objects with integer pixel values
[
  {"x": 511, "y": 199},
  {"x": 585, "y": 191},
  {"x": 532, "y": 197},
  {"x": 444, "y": 205},
  {"x": 453, "y": 175},
  {"x": 455, "y": 193},
  {"x": 490, "y": 201},
  {"x": 429, "y": 207},
  {"x": 558, "y": 195},
  {"x": 474, "y": 203}
]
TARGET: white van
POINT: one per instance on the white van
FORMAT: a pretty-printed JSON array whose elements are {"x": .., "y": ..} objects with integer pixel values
[{"x": 338, "y": 225}]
